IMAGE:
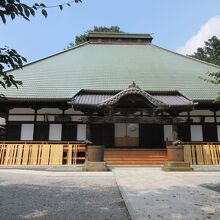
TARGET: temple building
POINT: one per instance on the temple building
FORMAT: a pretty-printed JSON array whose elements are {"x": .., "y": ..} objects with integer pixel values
[{"x": 116, "y": 89}]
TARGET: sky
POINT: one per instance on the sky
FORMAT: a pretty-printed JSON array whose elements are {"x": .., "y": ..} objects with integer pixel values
[{"x": 178, "y": 25}]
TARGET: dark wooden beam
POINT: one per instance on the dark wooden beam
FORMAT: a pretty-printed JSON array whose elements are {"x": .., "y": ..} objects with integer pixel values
[
  {"x": 128, "y": 119},
  {"x": 88, "y": 131}
]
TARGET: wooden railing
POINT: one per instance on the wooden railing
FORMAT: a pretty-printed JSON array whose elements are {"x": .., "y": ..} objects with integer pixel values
[
  {"x": 69, "y": 153},
  {"x": 202, "y": 153},
  {"x": 42, "y": 153}
]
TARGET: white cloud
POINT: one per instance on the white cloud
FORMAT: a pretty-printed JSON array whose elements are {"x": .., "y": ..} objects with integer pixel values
[{"x": 209, "y": 29}]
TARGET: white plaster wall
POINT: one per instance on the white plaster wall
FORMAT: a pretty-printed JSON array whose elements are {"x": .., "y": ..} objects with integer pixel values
[
  {"x": 201, "y": 112},
  {"x": 183, "y": 119},
  {"x": 49, "y": 111},
  {"x": 40, "y": 118},
  {"x": 27, "y": 132},
  {"x": 55, "y": 132},
  {"x": 120, "y": 129},
  {"x": 72, "y": 111},
  {"x": 196, "y": 119},
  {"x": 76, "y": 118},
  {"x": 218, "y": 131},
  {"x": 81, "y": 132},
  {"x": 196, "y": 133},
  {"x": 183, "y": 113},
  {"x": 21, "y": 110},
  {"x": 21, "y": 118},
  {"x": 2, "y": 121},
  {"x": 209, "y": 119},
  {"x": 50, "y": 117},
  {"x": 168, "y": 132}
]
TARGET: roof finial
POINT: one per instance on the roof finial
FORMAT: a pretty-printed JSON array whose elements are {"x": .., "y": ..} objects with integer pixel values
[{"x": 133, "y": 85}]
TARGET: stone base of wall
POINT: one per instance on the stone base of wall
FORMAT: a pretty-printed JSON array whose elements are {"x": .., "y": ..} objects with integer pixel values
[
  {"x": 176, "y": 166},
  {"x": 95, "y": 166}
]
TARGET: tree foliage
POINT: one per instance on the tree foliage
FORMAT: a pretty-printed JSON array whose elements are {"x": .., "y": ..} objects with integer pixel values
[
  {"x": 210, "y": 53},
  {"x": 82, "y": 38},
  {"x": 9, "y": 58}
]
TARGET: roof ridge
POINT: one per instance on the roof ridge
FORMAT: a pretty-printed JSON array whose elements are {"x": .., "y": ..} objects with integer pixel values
[{"x": 185, "y": 56}]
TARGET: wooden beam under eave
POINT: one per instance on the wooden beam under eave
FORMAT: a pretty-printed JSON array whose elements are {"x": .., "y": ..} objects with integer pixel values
[{"x": 130, "y": 119}]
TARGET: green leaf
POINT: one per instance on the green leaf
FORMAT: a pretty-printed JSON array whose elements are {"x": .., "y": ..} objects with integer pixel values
[
  {"x": 24, "y": 59},
  {"x": 43, "y": 5},
  {"x": 44, "y": 13},
  {"x": 2, "y": 84},
  {"x": 27, "y": 13},
  {"x": 3, "y": 18},
  {"x": 32, "y": 11},
  {"x": 12, "y": 16}
]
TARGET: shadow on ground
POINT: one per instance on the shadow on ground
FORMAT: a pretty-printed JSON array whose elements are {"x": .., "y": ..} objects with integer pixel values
[
  {"x": 212, "y": 186},
  {"x": 60, "y": 198}
]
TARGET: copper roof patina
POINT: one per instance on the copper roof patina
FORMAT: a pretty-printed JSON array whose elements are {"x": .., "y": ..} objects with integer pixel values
[{"x": 112, "y": 67}]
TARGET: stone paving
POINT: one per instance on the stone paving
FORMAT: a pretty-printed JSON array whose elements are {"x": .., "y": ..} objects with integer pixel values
[{"x": 150, "y": 193}]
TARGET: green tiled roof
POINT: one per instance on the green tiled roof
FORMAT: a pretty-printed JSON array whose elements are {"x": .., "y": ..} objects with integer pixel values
[{"x": 113, "y": 67}]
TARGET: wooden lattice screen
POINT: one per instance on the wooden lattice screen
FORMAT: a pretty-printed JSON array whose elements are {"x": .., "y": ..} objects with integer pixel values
[
  {"x": 41, "y": 154},
  {"x": 202, "y": 154}
]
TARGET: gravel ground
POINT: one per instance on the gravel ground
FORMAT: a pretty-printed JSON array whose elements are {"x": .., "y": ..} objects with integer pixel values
[{"x": 28, "y": 194}]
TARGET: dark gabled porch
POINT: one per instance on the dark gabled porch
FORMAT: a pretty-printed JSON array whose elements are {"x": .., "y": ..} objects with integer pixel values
[{"x": 130, "y": 118}]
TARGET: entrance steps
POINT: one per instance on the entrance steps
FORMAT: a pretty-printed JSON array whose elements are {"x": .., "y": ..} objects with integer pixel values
[{"x": 135, "y": 156}]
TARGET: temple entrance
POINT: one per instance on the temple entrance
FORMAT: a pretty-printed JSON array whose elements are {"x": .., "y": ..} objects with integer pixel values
[
  {"x": 151, "y": 136},
  {"x": 130, "y": 118},
  {"x": 126, "y": 135}
]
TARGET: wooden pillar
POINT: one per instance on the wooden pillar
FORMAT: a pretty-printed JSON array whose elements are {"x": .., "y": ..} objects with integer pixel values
[
  {"x": 6, "y": 124},
  {"x": 88, "y": 131}
]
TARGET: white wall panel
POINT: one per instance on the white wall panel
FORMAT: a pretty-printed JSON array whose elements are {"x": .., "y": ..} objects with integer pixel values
[
  {"x": 196, "y": 119},
  {"x": 76, "y": 118},
  {"x": 22, "y": 111},
  {"x": 55, "y": 132},
  {"x": 196, "y": 133},
  {"x": 49, "y": 111},
  {"x": 20, "y": 118},
  {"x": 40, "y": 118},
  {"x": 2, "y": 121},
  {"x": 120, "y": 129},
  {"x": 201, "y": 112},
  {"x": 218, "y": 132},
  {"x": 27, "y": 132},
  {"x": 209, "y": 119},
  {"x": 183, "y": 113},
  {"x": 168, "y": 132},
  {"x": 50, "y": 117},
  {"x": 81, "y": 132},
  {"x": 72, "y": 111}
]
